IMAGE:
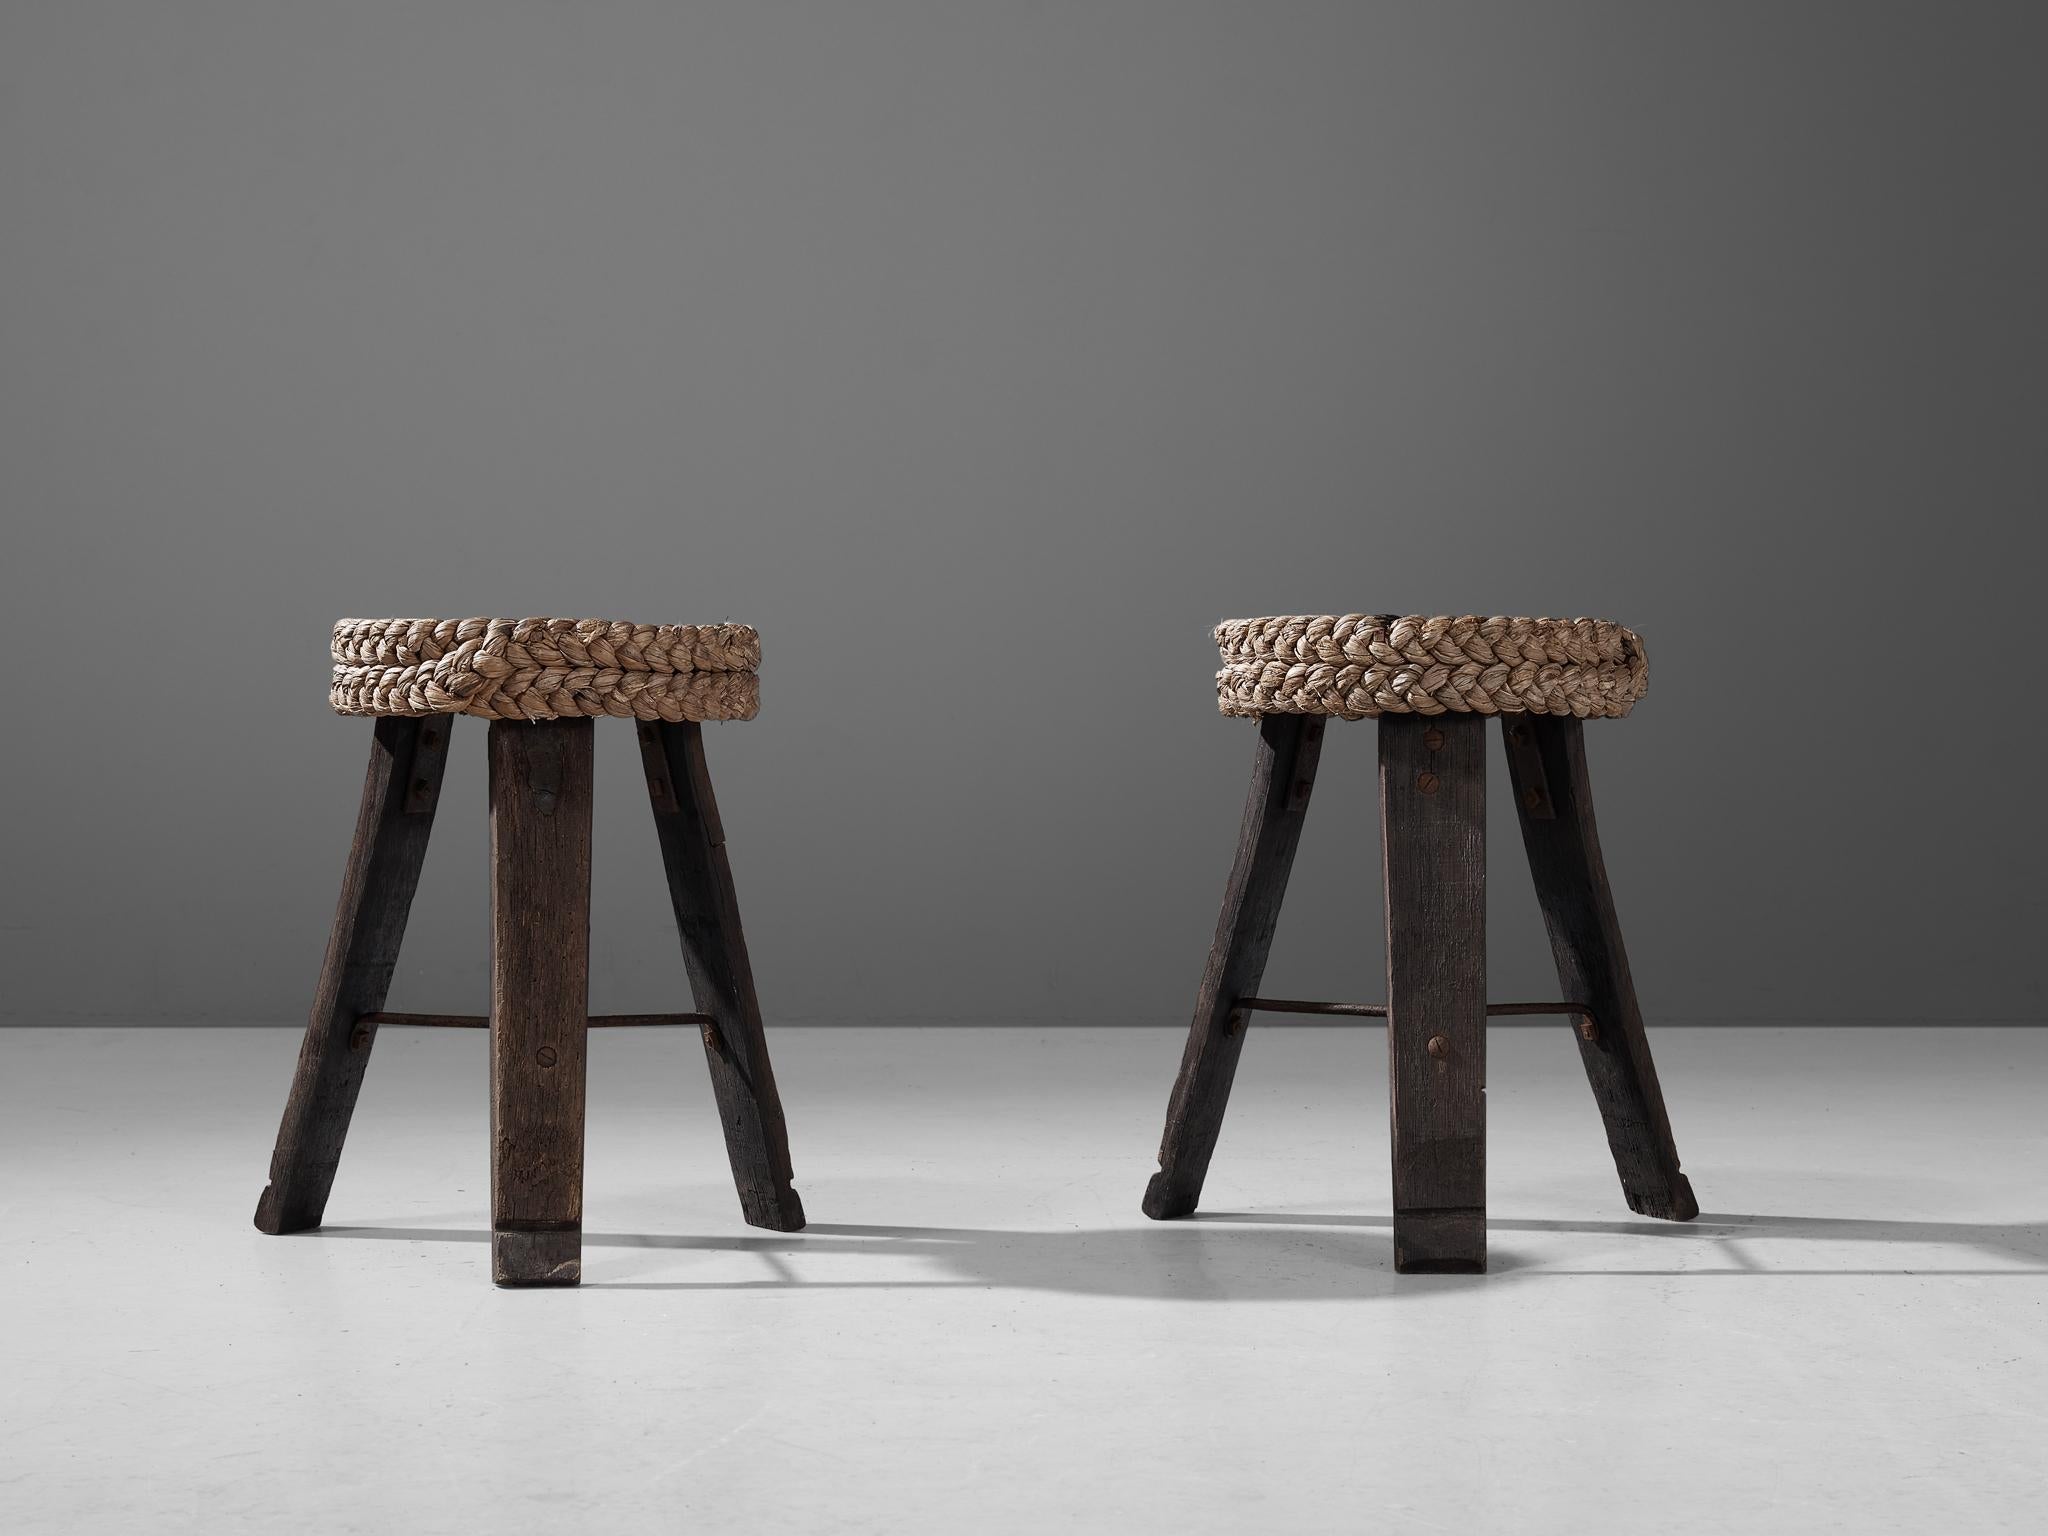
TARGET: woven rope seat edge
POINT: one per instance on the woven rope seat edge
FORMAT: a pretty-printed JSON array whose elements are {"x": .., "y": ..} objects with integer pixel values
[
  {"x": 546, "y": 669},
  {"x": 1359, "y": 666}
]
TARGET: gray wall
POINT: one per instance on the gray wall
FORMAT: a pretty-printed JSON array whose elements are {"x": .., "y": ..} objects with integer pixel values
[{"x": 983, "y": 357}]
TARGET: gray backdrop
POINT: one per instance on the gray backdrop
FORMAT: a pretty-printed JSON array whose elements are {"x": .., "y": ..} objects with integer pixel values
[{"x": 983, "y": 356}]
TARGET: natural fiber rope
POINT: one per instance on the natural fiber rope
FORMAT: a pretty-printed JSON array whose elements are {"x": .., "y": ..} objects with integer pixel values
[
  {"x": 545, "y": 669},
  {"x": 1360, "y": 666}
]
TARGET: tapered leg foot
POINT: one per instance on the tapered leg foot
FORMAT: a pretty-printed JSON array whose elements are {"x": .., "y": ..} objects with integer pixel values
[
  {"x": 536, "y": 1258},
  {"x": 397, "y": 814},
  {"x": 1442, "y": 1242},
  {"x": 1164, "y": 1202},
  {"x": 1283, "y": 776},
  {"x": 1554, "y": 799},
  {"x": 1433, "y": 837},
  {"x": 540, "y": 996},
  {"x": 707, "y": 910}
]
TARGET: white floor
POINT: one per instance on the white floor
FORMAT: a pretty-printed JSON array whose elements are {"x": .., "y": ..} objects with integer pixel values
[{"x": 980, "y": 1333}]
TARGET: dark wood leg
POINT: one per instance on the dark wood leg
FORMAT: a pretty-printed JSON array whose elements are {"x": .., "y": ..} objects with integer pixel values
[
  {"x": 1554, "y": 798},
  {"x": 1283, "y": 775},
  {"x": 1433, "y": 836},
  {"x": 540, "y": 996},
  {"x": 397, "y": 814},
  {"x": 721, "y": 978}
]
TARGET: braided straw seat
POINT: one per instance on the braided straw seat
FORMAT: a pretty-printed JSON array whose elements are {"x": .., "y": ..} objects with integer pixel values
[
  {"x": 545, "y": 669},
  {"x": 1360, "y": 666}
]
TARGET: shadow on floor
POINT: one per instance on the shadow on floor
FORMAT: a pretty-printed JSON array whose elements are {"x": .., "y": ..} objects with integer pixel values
[
  {"x": 1188, "y": 1261},
  {"x": 1227, "y": 1256},
  {"x": 1712, "y": 1236}
]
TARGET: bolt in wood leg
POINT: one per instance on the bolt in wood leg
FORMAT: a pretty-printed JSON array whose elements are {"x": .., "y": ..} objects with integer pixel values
[
  {"x": 540, "y": 996},
  {"x": 1433, "y": 836},
  {"x": 1554, "y": 798},
  {"x": 1283, "y": 775},
  {"x": 721, "y": 978},
  {"x": 397, "y": 814}
]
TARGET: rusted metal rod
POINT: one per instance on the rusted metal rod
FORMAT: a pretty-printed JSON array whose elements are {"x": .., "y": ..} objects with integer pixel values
[
  {"x": 1296, "y": 1005},
  {"x": 1573, "y": 1010},
  {"x": 483, "y": 1021},
  {"x": 428, "y": 1020},
  {"x": 648, "y": 1020},
  {"x": 1589, "y": 1028}
]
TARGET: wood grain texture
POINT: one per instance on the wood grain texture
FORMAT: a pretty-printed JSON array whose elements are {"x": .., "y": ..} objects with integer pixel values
[
  {"x": 396, "y": 816},
  {"x": 540, "y": 989},
  {"x": 1283, "y": 776},
  {"x": 700, "y": 887},
  {"x": 1554, "y": 798},
  {"x": 1433, "y": 839}
]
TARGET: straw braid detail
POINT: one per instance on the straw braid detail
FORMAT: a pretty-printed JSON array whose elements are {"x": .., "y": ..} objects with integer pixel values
[
  {"x": 543, "y": 669},
  {"x": 1358, "y": 666}
]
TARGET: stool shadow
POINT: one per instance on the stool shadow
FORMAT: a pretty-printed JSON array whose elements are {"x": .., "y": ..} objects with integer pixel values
[
  {"x": 2024, "y": 1244},
  {"x": 1291, "y": 1256},
  {"x": 1188, "y": 1261}
]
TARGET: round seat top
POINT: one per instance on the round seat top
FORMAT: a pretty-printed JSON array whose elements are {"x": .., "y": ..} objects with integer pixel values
[
  {"x": 545, "y": 669},
  {"x": 1357, "y": 666}
]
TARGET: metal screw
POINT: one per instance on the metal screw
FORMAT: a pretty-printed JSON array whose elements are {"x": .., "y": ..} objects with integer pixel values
[
  {"x": 1588, "y": 1028},
  {"x": 359, "y": 1041},
  {"x": 1433, "y": 738},
  {"x": 1439, "y": 1047},
  {"x": 1532, "y": 797},
  {"x": 545, "y": 1055},
  {"x": 1426, "y": 782}
]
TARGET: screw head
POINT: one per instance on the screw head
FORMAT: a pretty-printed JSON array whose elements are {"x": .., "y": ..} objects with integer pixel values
[
  {"x": 1433, "y": 739},
  {"x": 1439, "y": 1046},
  {"x": 1427, "y": 783},
  {"x": 1532, "y": 797},
  {"x": 545, "y": 1055}
]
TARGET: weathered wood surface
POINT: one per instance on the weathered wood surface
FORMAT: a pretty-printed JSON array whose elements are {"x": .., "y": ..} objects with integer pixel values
[
  {"x": 540, "y": 782},
  {"x": 400, "y": 791},
  {"x": 700, "y": 887},
  {"x": 1433, "y": 838},
  {"x": 1554, "y": 799},
  {"x": 1283, "y": 776}
]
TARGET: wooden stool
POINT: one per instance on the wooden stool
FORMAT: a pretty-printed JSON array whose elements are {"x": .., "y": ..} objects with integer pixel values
[
  {"x": 1431, "y": 683},
  {"x": 539, "y": 682}
]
